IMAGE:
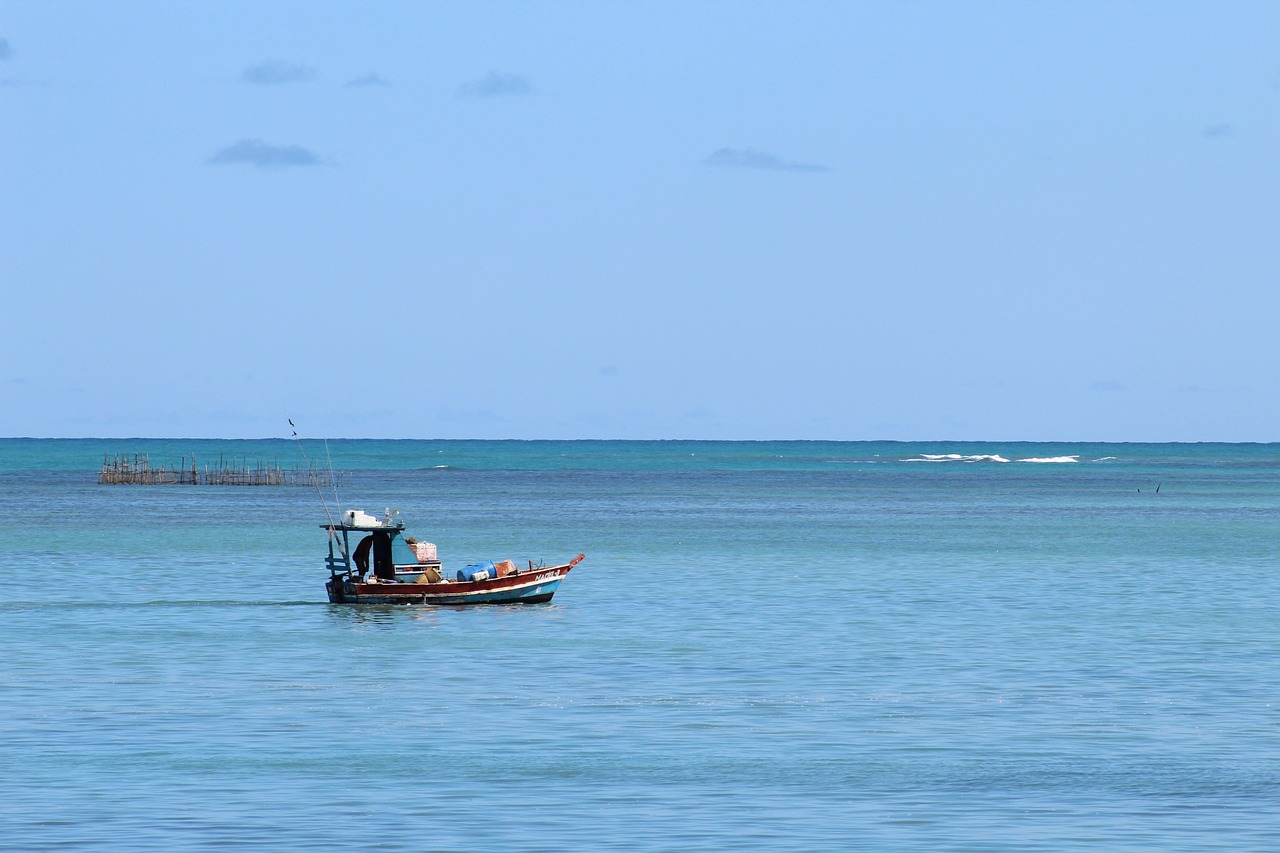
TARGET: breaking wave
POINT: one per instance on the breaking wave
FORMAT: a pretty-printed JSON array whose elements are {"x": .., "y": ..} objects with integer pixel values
[
  {"x": 989, "y": 457},
  {"x": 955, "y": 457}
]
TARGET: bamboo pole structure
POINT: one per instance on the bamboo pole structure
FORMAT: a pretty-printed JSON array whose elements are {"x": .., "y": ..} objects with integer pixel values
[{"x": 121, "y": 470}]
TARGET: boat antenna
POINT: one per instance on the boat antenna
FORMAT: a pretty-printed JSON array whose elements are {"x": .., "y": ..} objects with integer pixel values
[{"x": 303, "y": 451}]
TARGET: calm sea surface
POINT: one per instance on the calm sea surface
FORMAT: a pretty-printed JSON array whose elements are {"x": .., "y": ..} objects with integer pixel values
[{"x": 792, "y": 645}]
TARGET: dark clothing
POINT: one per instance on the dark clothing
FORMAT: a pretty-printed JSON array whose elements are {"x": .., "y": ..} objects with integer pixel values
[
  {"x": 383, "y": 566},
  {"x": 361, "y": 554}
]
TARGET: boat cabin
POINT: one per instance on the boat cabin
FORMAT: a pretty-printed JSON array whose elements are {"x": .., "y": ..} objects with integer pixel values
[{"x": 361, "y": 544}]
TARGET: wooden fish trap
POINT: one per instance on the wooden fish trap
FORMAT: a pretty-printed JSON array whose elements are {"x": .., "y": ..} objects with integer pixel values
[{"x": 137, "y": 470}]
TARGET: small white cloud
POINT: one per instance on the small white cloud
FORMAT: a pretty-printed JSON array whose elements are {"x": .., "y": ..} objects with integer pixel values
[
  {"x": 496, "y": 85},
  {"x": 749, "y": 158},
  {"x": 273, "y": 72},
  {"x": 368, "y": 80},
  {"x": 255, "y": 152}
]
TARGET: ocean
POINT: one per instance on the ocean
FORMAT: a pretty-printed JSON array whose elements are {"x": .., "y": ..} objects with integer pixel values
[{"x": 770, "y": 646}]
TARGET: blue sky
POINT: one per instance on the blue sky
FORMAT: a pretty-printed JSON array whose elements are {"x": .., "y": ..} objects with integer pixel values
[{"x": 854, "y": 220}]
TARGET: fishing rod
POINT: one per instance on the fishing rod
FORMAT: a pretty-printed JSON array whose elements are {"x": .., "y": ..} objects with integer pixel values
[
  {"x": 314, "y": 480},
  {"x": 333, "y": 478}
]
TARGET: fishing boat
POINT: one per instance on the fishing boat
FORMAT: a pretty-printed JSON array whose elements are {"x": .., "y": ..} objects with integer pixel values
[{"x": 371, "y": 561}]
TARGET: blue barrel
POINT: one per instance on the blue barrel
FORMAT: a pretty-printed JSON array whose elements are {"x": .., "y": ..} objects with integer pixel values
[{"x": 469, "y": 572}]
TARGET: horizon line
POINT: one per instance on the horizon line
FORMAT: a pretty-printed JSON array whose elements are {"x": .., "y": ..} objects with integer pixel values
[{"x": 690, "y": 440}]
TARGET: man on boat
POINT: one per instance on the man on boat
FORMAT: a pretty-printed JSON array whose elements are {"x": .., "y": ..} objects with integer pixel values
[
  {"x": 361, "y": 555},
  {"x": 383, "y": 567}
]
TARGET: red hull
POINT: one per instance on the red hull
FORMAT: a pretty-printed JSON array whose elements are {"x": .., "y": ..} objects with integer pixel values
[{"x": 529, "y": 586}]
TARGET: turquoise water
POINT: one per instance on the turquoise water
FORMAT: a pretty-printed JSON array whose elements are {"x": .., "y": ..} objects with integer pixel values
[{"x": 770, "y": 646}]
